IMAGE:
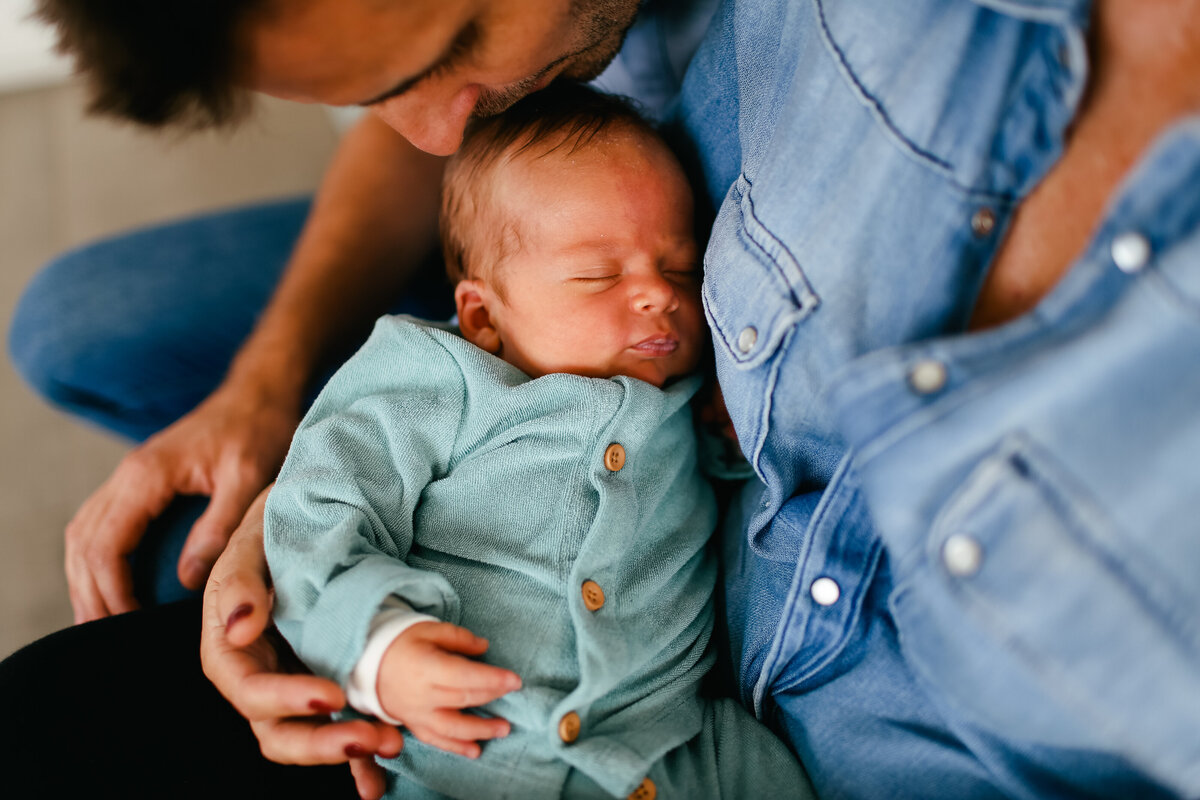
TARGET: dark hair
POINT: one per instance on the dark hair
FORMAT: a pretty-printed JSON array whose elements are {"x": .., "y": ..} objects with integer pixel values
[
  {"x": 155, "y": 61},
  {"x": 564, "y": 115}
]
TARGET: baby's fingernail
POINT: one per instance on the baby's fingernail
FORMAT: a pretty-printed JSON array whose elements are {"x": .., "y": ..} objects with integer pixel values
[
  {"x": 514, "y": 681},
  {"x": 357, "y": 751},
  {"x": 239, "y": 613},
  {"x": 321, "y": 707},
  {"x": 391, "y": 753}
]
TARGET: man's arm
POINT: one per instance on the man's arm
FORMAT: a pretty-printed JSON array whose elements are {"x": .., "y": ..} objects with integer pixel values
[{"x": 373, "y": 222}]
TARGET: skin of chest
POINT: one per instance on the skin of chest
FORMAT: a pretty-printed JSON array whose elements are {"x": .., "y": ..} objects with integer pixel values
[{"x": 1145, "y": 54}]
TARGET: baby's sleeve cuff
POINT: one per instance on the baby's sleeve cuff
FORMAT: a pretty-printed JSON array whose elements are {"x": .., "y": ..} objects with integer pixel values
[{"x": 393, "y": 618}]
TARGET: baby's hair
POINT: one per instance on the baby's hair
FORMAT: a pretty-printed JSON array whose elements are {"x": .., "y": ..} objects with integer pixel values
[{"x": 563, "y": 117}]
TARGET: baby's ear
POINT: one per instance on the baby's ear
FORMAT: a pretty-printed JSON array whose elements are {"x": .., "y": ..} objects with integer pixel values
[{"x": 474, "y": 319}]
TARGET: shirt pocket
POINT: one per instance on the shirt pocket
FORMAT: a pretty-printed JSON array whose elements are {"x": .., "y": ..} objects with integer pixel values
[
  {"x": 973, "y": 93},
  {"x": 754, "y": 289},
  {"x": 754, "y": 294},
  {"x": 1040, "y": 620}
]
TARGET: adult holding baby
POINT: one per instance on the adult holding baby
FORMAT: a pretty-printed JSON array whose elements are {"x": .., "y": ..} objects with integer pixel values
[{"x": 952, "y": 290}]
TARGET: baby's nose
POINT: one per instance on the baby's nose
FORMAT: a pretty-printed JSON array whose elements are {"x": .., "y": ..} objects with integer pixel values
[{"x": 655, "y": 294}]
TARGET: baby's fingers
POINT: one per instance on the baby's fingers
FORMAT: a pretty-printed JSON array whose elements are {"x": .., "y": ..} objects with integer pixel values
[
  {"x": 468, "y": 696},
  {"x": 456, "y": 639},
  {"x": 466, "y": 749},
  {"x": 467, "y": 727},
  {"x": 457, "y": 673}
]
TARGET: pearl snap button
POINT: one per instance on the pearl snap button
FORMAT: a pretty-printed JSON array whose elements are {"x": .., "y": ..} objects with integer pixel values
[
  {"x": 983, "y": 222},
  {"x": 1130, "y": 252},
  {"x": 825, "y": 591},
  {"x": 962, "y": 555},
  {"x": 927, "y": 376},
  {"x": 746, "y": 339}
]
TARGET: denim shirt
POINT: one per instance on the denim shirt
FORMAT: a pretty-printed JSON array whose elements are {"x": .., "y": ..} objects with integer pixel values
[{"x": 968, "y": 567}]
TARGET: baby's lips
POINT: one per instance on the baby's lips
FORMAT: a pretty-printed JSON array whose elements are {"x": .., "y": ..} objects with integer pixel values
[{"x": 658, "y": 345}]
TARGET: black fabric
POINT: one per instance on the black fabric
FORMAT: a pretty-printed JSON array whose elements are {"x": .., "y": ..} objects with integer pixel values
[{"x": 120, "y": 708}]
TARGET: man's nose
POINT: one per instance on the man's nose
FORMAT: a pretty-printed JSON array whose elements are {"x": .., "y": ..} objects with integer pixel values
[{"x": 431, "y": 122}]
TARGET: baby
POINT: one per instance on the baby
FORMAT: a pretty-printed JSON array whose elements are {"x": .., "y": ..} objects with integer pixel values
[{"x": 532, "y": 478}]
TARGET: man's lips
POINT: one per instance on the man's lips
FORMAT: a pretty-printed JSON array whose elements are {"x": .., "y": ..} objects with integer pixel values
[{"x": 657, "y": 346}]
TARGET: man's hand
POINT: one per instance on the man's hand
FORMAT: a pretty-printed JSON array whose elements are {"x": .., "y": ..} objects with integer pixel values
[
  {"x": 426, "y": 680},
  {"x": 287, "y": 712},
  {"x": 373, "y": 223},
  {"x": 228, "y": 448}
]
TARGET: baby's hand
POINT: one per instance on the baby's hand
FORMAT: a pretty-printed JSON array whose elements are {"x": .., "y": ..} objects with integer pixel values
[{"x": 425, "y": 680}]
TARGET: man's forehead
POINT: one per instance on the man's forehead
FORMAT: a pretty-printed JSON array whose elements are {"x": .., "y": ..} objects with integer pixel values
[{"x": 343, "y": 51}]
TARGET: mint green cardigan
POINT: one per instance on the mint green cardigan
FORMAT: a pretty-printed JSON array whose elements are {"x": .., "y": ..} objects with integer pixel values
[{"x": 431, "y": 470}]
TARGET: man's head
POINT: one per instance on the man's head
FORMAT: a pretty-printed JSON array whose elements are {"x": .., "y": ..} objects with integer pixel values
[
  {"x": 567, "y": 225},
  {"x": 424, "y": 66},
  {"x": 155, "y": 62}
]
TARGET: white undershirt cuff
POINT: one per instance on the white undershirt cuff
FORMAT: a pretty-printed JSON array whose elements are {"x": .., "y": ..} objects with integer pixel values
[{"x": 362, "y": 691}]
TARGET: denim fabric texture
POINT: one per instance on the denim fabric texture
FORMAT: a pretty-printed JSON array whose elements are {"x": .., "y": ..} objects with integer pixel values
[
  {"x": 432, "y": 471},
  {"x": 847, "y": 147},
  {"x": 1006, "y": 517},
  {"x": 654, "y": 57},
  {"x": 131, "y": 332}
]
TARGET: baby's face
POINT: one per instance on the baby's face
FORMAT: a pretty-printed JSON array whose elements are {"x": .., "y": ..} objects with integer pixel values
[{"x": 606, "y": 278}]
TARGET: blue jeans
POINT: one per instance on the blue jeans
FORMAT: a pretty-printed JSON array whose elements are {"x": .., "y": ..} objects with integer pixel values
[{"x": 132, "y": 332}]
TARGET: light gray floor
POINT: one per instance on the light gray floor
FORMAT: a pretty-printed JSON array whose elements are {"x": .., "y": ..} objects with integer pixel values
[{"x": 66, "y": 179}]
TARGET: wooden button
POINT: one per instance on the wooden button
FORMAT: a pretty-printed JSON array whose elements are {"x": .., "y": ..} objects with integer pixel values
[
  {"x": 646, "y": 790},
  {"x": 593, "y": 596},
  {"x": 568, "y": 727},
  {"x": 614, "y": 457}
]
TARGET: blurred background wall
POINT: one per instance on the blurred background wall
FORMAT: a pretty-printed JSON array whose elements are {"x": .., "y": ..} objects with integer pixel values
[{"x": 66, "y": 179}]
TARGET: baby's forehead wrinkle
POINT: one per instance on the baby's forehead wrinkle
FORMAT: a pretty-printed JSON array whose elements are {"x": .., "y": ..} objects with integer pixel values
[{"x": 601, "y": 243}]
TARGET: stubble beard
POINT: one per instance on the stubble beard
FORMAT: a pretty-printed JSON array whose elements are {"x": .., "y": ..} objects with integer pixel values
[{"x": 600, "y": 25}]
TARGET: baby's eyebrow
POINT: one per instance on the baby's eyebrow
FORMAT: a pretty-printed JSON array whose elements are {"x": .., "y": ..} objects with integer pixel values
[{"x": 591, "y": 245}]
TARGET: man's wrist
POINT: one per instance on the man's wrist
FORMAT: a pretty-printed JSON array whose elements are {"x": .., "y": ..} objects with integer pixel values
[{"x": 275, "y": 377}]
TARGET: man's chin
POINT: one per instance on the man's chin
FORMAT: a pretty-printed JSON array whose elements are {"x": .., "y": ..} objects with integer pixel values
[
  {"x": 588, "y": 71},
  {"x": 596, "y": 59}
]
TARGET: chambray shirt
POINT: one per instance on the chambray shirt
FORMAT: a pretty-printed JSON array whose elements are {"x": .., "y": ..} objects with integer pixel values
[
  {"x": 970, "y": 563},
  {"x": 432, "y": 471}
]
